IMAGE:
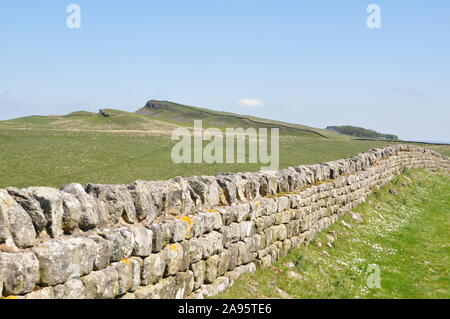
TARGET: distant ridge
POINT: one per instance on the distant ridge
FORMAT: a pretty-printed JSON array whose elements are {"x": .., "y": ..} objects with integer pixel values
[{"x": 174, "y": 112}]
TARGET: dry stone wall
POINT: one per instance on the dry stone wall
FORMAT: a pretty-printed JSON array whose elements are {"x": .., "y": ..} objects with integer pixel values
[{"x": 183, "y": 238}]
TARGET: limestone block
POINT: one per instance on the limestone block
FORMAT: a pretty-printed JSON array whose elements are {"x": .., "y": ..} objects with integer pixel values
[
  {"x": 153, "y": 268},
  {"x": 118, "y": 200},
  {"x": 90, "y": 212},
  {"x": 143, "y": 239},
  {"x": 61, "y": 260},
  {"x": 121, "y": 242},
  {"x": 31, "y": 206},
  {"x": 15, "y": 222},
  {"x": 103, "y": 284},
  {"x": 19, "y": 273}
]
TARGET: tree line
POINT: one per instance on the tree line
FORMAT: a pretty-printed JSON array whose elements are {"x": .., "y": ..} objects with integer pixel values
[{"x": 361, "y": 132}]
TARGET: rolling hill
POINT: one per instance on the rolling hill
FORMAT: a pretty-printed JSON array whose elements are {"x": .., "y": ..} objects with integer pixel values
[
  {"x": 162, "y": 117},
  {"x": 185, "y": 115}
]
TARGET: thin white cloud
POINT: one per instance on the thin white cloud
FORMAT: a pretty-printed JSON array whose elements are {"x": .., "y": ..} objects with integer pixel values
[{"x": 250, "y": 102}]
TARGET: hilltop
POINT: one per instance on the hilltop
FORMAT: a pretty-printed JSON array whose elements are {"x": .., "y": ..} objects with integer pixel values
[
  {"x": 161, "y": 117},
  {"x": 185, "y": 115}
]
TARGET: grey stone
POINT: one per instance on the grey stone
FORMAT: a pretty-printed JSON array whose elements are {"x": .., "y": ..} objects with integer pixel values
[
  {"x": 41, "y": 294},
  {"x": 212, "y": 265},
  {"x": 51, "y": 203},
  {"x": 20, "y": 272},
  {"x": 164, "y": 289},
  {"x": 103, "y": 256},
  {"x": 184, "y": 284},
  {"x": 89, "y": 216},
  {"x": 153, "y": 268},
  {"x": 61, "y": 260},
  {"x": 118, "y": 200},
  {"x": 207, "y": 189},
  {"x": 149, "y": 198},
  {"x": 143, "y": 239},
  {"x": 121, "y": 242},
  {"x": 125, "y": 274},
  {"x": 31, "y": 206},
  {"x": 199, "y": 271},
  {"x": 72, "y": 289},
  {"x": 103, "y": 284},
  {"x": 15, "y": 221},
  {"x": 175, "y": 261},
  {"x": 217, "y": 287},
  {"x": 72, "y": 212}
]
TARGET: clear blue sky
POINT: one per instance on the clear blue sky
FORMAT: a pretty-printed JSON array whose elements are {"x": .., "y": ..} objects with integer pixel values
[{"x": 310, "y": 62}]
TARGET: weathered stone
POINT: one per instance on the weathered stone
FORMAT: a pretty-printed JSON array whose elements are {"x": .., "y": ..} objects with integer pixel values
[
  {"x": 224, "y": 262},
  {"x": 118, "y": 199},
  {"x": 124, "y": 271},
  {"x": 5, "y": 232},
  {"x": 149, "y": 198},
  {"x": 51, "y": 203},
  {"x": 143, "y": 239},
  {"x": 136, "y": 269},
  {"x": 91, "y": 215},
  {"x": 31, "y": 206},
  {"x": 103, "y": 255},
  {"x": 178, "y": 259},
  {"x": 72, "y": 289},
  {"x": 162, "y": 235},
  {"x": 61, "y": 260},
  {"x": 121, "y": 242},
  {"x": 205, "y": 246},
  {"x": 178, "y": 230},
  {"x": 217, "y": 287},
  {"x": 153, "y": 268},
  {"x": 212, "y": 265},
  {"x": 72, "y": 212},
  {"x": 164, "y": 289},
  {"x": 15, "y": 222},
  {"x": 41, "y": 294},
  {"x": 179, "y": 197},
  {"x": 185, "y": 284},
  {"x": 199, "y": 270},
  {"x": 206, "y": 188},
  {"x": 20, "y": 273},
  {"x": 211, "y": 220},
  {"x": 103, "y": 284},
  {"x": 252, "y": 187}
]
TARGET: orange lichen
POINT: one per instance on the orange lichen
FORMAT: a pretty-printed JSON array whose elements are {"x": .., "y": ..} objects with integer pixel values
[
  {"x": 126, "y": 260},
  {"x": 173, "y": 247},
  {"x": 211, "y": 210},
  {"x": 187, "y": 219}
]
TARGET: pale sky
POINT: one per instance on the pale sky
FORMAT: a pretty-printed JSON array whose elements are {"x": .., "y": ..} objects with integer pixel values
[{"x": 309, "y": 62}]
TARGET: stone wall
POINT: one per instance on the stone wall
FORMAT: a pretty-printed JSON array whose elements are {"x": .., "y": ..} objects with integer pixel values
[{"x": 183, "y": 238}]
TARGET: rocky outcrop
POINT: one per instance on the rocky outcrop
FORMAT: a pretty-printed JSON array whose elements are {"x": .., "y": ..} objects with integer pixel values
[{"x": 183, "y": 238}]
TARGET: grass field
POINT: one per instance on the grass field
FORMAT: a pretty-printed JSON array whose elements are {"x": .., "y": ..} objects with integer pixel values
[
  {"x": 86, "y": 147},
  {"x": 42, "y": 157},
  {"x": 406, "y": 235}
]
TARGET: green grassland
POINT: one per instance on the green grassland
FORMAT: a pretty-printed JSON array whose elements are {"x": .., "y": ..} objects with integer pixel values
[
  {"x": 45, "y": 157},
  {"x": 118, "y": 120},
  {"x": 87, "y": 147},
  {"x": 406, "y": 235}
]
